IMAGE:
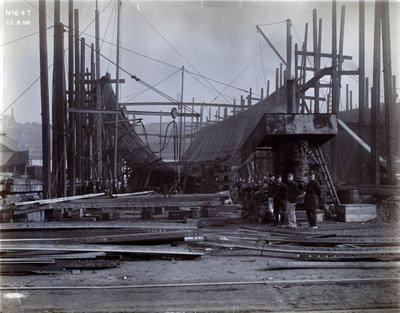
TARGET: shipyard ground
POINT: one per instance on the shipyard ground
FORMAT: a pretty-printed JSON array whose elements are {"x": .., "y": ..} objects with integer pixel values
[{"x": 221, "y": 280}]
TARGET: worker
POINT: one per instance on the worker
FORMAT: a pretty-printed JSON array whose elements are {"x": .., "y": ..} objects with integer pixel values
[
  {"x": 311, "y": 200},
  {"x": 280, "y": 202},
  {"x": 293, "y": 192}
]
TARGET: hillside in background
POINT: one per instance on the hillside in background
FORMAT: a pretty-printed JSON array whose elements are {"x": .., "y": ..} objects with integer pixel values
[{"x": 28, "y": 136}]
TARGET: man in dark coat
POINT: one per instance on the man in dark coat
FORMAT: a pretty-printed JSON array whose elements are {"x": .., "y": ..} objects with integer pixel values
[
  {"x": 311, "y": 200},
  {"x": 280, "y": 202},
  {"x": 293, "y": 191}
]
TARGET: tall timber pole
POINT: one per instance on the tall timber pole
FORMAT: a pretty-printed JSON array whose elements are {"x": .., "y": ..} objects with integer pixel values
[
  {"x": 361, "y": 80},
  {"x": 77, "y": 119},
  {"x": 59, "y": 104},
  {"x": 361, "y": 68},
  {"x": 71, "y": 156},
  {"x": 180, "y": 145},
  {"x": 288, "y": 49},
  {"x": 375, "y": 99},
  {"x": 44, "y": 93},
  {"x": 316, "y": 60},
  {"x": 117, "y": 94},
  {"x": 335, "y": 85},
  {"x": 387, "y": 84},
  {"x": 98, "y": 117}
]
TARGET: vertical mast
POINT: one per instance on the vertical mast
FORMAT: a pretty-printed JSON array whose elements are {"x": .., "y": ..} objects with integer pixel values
[
  {"x": 98, "y": 117},
  {"x": 180, "y": 119},
  {"x": 335, "y": 87},
  {"x": 288, "y": 49},
  {"x": 44, "y": 85},
  {"x": 71, "y": 118},
  {"x": 117, "y": 94},
  {"x": 361, "y": 68},
  {"x": 58, "y": 105},
  {"x": 375, "y": 99},
  {"x": 77, "y": 119},
  {"x": 361, "y": 83},
  {"x": 387, "y": 84}
]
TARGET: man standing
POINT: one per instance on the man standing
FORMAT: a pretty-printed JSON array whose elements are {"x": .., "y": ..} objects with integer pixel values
[
  {"x": 280, "y": 202},
  {"x": 311, "y": 200},
  {"x": 293, "y": 191}
]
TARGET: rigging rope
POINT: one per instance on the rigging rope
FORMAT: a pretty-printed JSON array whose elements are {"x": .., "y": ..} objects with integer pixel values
[{"x": 173, "y": 48}]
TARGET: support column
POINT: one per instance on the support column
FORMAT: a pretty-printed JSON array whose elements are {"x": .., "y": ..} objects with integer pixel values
[
  {"x": 44, "y": 93},
  {"x": 388, "y": 93},
  {"x": 59, "y": 105},
  {"x": 71, "y": 102},
  {"x": 375, "y": 100},
  {"x": 98, "y": 118},
  {"x": 361, "y": 88}
]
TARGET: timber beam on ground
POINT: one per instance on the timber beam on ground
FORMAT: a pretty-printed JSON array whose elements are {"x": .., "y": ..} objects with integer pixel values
[
  {"x": 172, "y": 236},
  {"x": 58, "y": 265},
  {"x": 129, "y": 249},
  {"x": 77, "y": 225}
]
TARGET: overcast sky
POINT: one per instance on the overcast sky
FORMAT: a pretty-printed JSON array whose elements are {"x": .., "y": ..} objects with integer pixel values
[{"x": 217, "y": 40}]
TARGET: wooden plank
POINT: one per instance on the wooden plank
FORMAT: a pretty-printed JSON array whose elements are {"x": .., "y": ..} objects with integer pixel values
[
  {"x": 139, "y": 250},
  {"x": 33, "y": 260},
  {"x": 56, "y": 200},
  {"x": 172, "y": 236},
  {"x": 141, "y": 193},
  {"x": 137, "y": 225},
  {"x": 60, "y": 265},
  {"x": 125, "y": 202}
]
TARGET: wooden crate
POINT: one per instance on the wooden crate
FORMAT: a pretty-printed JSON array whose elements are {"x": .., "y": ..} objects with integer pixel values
[{"x": 359, "y": 212}]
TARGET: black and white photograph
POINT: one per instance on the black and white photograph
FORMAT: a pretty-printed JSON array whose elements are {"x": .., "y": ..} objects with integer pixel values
[{"x": 182, "y": 156}]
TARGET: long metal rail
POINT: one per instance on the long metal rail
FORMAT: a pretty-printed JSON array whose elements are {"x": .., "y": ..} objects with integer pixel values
[{"x": 206, "y": 284}]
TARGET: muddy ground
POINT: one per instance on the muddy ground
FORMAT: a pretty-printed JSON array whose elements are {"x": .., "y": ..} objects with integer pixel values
[{"x": 222, "y": 280}]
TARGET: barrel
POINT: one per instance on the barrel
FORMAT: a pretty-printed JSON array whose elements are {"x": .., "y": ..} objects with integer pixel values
[{"x": 349, "y": 196}]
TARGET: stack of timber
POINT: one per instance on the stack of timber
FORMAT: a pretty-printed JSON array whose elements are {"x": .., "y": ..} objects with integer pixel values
[
  {"x": 19, "y": 188},
  {"x": 104, "y": 207},
  {"x": 45, "y": 248},
  {"x": 15, "y": 189}
]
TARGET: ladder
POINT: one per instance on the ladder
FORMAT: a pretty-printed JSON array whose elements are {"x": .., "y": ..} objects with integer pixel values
[{"x": 319, "y": 158}]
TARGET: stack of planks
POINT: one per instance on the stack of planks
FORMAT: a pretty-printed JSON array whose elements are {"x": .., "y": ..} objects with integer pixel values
[
  {"x": 15, "y": 189},
  {"x": 48, "y": 248},
  {"x": 95, "y": 205}
]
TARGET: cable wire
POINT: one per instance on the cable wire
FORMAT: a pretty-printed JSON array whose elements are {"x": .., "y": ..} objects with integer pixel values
[{"x": 173, "y": 48}]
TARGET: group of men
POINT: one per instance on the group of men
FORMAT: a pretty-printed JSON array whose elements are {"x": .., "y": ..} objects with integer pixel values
[{"x": 285, "y": 198}]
